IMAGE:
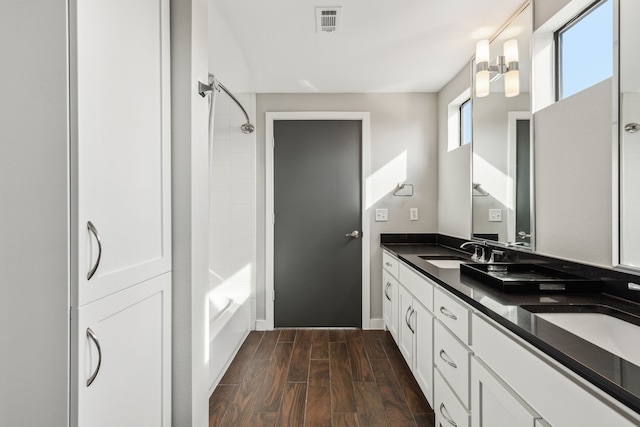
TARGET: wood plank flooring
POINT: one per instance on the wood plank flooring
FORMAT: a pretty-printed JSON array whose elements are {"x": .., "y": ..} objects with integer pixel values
[{"x": 319, "y": 378}]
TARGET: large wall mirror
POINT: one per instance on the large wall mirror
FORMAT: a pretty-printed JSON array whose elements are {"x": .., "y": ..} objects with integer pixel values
[
  {"x": 501, "y": 161},
  {"x": 629, "y": 133}
]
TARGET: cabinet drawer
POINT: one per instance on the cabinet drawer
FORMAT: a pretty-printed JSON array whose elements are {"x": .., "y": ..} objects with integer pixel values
[
  {"x": 390, "y": 264},
  {"x": 449, "y": 411},
  {"x": 452, "y": 359},
  {"x": 453, "y": 314},
  {"x": 420, "y": 287}
]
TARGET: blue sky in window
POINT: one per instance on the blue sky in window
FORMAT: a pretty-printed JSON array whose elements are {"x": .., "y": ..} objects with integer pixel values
[
  {"x": 587, "y": 50},
  {"x": 466, "y": 123}
]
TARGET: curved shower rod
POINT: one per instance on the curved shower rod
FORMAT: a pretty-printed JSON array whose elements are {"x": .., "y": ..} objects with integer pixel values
[{"x": 214, "y": 84}]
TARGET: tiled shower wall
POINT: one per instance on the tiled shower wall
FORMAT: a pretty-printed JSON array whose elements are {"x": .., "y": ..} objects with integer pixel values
[{"x": 232, "y": 245}]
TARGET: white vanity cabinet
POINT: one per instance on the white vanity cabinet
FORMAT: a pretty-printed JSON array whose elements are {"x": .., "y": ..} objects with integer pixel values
[
  {"x": 559, "y": 396},
  {"x": 415, "y": 328},
  {"x": 494, "y": 403},
  {"x": 390, "y": 303}
]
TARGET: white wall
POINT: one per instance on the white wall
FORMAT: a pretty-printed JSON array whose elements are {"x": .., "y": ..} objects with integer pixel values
[
  {"x": 226, "y": 59},
  {"x": 403, "y": 138},
  {"x": 454, "y": 170},
  {"x": 34, "y": 220},
  {"x": 190, "y": 213}
]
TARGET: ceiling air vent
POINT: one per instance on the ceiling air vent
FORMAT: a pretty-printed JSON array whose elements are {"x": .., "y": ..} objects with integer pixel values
[{"x": 327, "y": 19}]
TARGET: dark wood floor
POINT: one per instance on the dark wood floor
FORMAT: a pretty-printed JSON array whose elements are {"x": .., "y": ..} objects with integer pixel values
[{"x": 319, "y": 377}]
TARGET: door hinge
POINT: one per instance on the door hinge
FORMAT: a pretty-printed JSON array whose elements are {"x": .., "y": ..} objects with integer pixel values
[
  {"x": 273, "y": 218},
  {"x": 274, "y": 295},
  {"x": 273, "y": 142}
]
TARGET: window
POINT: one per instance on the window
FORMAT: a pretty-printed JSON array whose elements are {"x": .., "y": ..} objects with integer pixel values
[
  {"x": 465, "y": 122},
  {"x": 584, "y": 49}
]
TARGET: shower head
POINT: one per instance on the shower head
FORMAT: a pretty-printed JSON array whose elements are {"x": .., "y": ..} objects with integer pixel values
[{"x": 247, "y": 128}]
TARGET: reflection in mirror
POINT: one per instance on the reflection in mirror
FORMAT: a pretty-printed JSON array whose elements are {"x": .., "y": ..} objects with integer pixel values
[
  {"x": 629, "y": 133},
  {"x": 501, "y": 162}
]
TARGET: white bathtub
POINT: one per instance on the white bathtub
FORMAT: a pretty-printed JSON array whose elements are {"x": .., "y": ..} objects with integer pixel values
[{"x": 229, "y": 325}]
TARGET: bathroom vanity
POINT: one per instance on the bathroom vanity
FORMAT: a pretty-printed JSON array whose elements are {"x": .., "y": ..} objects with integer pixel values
[{"x": 484, "y": 357}]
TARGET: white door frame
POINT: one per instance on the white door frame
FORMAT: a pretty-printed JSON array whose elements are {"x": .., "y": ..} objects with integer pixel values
[{"x": 365, "y": 160}]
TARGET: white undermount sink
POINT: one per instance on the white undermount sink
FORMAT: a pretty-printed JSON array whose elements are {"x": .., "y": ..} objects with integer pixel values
[
  {"x": 446, "y": 263},
  {"x": 610, "y": 333}
]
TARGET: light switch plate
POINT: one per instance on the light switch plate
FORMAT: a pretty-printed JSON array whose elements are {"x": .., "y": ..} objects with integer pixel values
[
  {"x": 382, "y": 215},
  {"x": 495, "y": 215},
  {"x": 413, "y": 214}
]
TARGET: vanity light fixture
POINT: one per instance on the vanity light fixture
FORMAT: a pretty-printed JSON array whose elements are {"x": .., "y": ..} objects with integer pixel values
[{"x": 506, "y": 65}]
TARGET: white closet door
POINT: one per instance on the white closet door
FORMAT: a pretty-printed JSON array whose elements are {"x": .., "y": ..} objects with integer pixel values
[
  {"x": 120, "y": 146},
  {"x": 132, "y": 382}
]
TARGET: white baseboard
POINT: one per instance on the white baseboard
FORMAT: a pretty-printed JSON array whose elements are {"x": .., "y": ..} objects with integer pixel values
[
  {"x": 261, "y": 325},
  {"x": 376, "y": 324}
]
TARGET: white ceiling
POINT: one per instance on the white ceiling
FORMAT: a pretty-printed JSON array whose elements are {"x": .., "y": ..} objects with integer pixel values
[{"x": 382, "y": 45}]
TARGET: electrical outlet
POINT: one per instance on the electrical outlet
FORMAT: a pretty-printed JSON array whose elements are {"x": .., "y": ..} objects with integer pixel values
[
  {"x": 413, "y": 214},
  {"x": 495, "y": 215},
  {"x": 382, "y": 215}
]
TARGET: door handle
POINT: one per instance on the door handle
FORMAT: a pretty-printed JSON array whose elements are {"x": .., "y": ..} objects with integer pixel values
[
  {"x": 523, "y": 235},
  {"x": 355, "y": 234},
  {"x": 386, "y": 291},
  {"x": 632, "y": 127}
]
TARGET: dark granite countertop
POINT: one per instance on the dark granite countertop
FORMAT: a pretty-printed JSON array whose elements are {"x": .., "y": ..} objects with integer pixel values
[{"x": 614, "y": 375}]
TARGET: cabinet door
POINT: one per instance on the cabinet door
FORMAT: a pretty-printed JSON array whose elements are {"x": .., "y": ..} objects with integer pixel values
[
  {"x": 125, "y": 340},
  {"x": 494, "y": 403},
  {"x": 120, "y": 150},
  {"x": 390, "y": 304},
  {"x": 405, "y": 330},
  {"x": 423, "y": 349}
]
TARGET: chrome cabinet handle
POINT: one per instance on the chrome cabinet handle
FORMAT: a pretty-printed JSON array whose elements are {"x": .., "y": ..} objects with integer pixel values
[
  {"x": 92, "y": 336},
  {"x": 409, "y": 323},
  {"x": 406, "y": 318},
  {"x": 92, "y": 229},
  {"x": 447, "y": 360},
  {"x": 388, "y": 264},
  {"x": 355, "y": 234},
  {"x": 386, "y": 289},
  {"x": 446, "y": 416},
  {"x": 447, "y": 313}
]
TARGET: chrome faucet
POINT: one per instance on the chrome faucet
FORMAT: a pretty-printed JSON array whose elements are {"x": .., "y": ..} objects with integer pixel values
[{"x": 478, "y": 254}]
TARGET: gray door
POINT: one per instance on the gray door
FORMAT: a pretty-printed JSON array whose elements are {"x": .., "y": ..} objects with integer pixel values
[
  {"x": 317, "y": 201},
  {"x": 523, "y": 182}
]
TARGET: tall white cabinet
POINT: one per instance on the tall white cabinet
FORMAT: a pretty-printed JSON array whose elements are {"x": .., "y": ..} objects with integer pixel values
[{"x": 86, "y": 235}]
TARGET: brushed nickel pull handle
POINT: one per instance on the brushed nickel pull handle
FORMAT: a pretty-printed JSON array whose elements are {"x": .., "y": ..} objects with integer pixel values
[
  {"x": 93, "y": 230},
  {"x": 406, "y": 318},
  {"x": 92, "y": 336},
  {"x": 446, "y": 416},
  {"x": 448, "y": 359},
  {"x": 386, "y": 291},
  {"x": 409, "y": 323},
  {"x": 447, "y": 313},
  {"x": 388, "y": 264}
]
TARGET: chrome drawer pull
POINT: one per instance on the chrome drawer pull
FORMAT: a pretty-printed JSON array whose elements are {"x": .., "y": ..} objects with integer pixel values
[
  {"x": 94, "y": 231},
  {"x": 446, "y": 416},
  {"x": 447, "y": 313},
  {"x": 386, "y": 289},
  {"x": 92, "y": 336},
  {"x": 388, "y": 264},
  {"x": 447, "y": 360}
]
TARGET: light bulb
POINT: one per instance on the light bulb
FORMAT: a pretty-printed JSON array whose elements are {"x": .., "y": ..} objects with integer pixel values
[
  {"x": 482, "y": 83},
  {"x": 512, "y": 83}
]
